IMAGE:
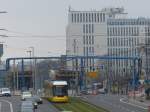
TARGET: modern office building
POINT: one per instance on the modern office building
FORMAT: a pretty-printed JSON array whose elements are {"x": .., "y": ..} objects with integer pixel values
[
  {"x": 107, "y": 32},
  {"x": 125, "y": 37},
  {"x": 87, "y": 33}
]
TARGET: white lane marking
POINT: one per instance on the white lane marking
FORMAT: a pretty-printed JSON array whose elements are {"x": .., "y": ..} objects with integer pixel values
[
  {"x": 121, "y": 100},
  {"x": 11, "y": 107}
]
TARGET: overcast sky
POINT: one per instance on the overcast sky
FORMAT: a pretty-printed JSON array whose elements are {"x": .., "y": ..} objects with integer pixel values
[{"x": 49, "y": 17}]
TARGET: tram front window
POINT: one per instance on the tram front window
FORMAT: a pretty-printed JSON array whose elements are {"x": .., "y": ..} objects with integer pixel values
[{"x": 60, "y": 91}]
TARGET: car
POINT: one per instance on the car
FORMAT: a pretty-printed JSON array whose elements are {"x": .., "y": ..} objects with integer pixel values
[
  {"x": 27, "y": 106},
  {"x": 26, "y": 94},
  {"x": 38, "y": 99},
  {"x": 34, "y": 102},
  {"x": 5, "y": 92},
  {"x": 102, "y": 91}
]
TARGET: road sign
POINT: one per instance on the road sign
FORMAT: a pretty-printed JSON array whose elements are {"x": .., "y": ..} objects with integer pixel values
[{"x": 92, "y": 74}]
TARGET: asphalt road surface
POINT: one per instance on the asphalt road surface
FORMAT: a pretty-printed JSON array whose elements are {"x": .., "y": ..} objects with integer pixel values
[
  {"x": 113, "y": 103},
  {"x": 13, "y": 104}
]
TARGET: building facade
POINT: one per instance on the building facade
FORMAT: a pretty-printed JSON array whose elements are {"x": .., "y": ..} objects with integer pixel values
[
  {"x": 125, "y": 38},
  {"x": 108, "y": 32},
  {"x": 86, "y": 33}
]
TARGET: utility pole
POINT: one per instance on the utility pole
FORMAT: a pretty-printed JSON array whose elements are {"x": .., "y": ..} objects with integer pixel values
[{"x": 14, "y": 73}]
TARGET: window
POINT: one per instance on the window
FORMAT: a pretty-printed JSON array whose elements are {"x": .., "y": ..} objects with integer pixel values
[
  {"x": 80, "y": 17},
  {"x": 75, "y": 18},
  {"x": 93, "y": 50},
  {"x": 84, "y": 39},
  {"x": 107, "y": 41},
  {"x": 83, "y": 17},
  {"x": 90, "y": 50},
  {"x": 92, "y": 28},
  {"x": 92, "y": 17},
  {"x": 89, "y": 28},
  {"x": 97, "y": 17},
  {"x": 86, "y": 17},
  {"x": 92, "y": 39},
  {"x": 110, "y": 41},
  {"x": 84, "y": 28},
  {"x": 103, "y": 17},
  {"x": 84, "y": 51},
  {"x": 87, "y": 40},
  {"x": 89, "y": 17},
  {"x": 72, "y": 18}
]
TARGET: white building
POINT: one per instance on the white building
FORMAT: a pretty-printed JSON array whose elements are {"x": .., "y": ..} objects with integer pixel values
[
  {"x": 125, "y": 37},
  {"x": 86, "y": 32}
]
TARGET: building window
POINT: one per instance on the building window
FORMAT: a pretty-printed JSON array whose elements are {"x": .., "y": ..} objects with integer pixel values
[
  {"x": 93, "y": 50},
  {"x": 84, "y": 51},
  {"x": 107, "y": 41},
  {"x": 92, "y": 39},
  {"x": 97, "y": 17},
  {"x": 84, "y": 28},
  {"x": 92, "y": 17},
  {"x": 92, "y": 28},
  {"x": 89, "y": 17},
  {"x": 89, "y": 28},
  {"x": 87, "y": 40},
  {"x": 84, "y": 39},
  {"x": 80, "y": 17},
  {"x": 90, "y": 50},
  {"x": 86, "y": 17},
  {"x": 83, "y": 17},
  {"x": 72, "y": 18},
  {"x": 101, "y": 17},
  {"x": 110, "y": 41},
  {"x": 75, "y": 18},
  {"x": 87, "y": 51}
]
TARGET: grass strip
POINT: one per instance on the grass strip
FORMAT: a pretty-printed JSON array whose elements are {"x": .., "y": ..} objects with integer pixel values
[{"x": 78, "y": 105}]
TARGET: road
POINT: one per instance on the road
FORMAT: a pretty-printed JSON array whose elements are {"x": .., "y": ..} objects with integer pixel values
[
  {"x": 113, "y": 103},
  {"x": 13, "y": 104}
]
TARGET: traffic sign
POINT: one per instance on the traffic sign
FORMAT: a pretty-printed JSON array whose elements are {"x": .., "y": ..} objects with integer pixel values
[{"x": 92, "y": 74}]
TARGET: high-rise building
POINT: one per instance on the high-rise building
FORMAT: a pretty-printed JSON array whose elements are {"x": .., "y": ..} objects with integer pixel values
[
  {"x": 108, "y": 32},
  {"x": 125, "y": 37},
  {"x": 87, "y": 32}
]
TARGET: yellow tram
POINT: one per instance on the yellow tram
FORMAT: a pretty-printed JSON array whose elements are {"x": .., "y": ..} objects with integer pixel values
[{"x": 56, "y": 91}]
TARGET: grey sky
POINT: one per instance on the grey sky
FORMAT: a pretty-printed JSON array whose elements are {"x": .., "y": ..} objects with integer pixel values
[{"x": 49, "y": 17}]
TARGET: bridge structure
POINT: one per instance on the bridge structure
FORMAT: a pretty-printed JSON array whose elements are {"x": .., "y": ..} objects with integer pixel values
[{"x": 136, "y": 65}]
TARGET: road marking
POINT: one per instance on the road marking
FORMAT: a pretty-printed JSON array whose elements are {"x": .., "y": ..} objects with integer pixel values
[
  {"x": 121, "y": 100},
  {"x": 11, "y": 107}
]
